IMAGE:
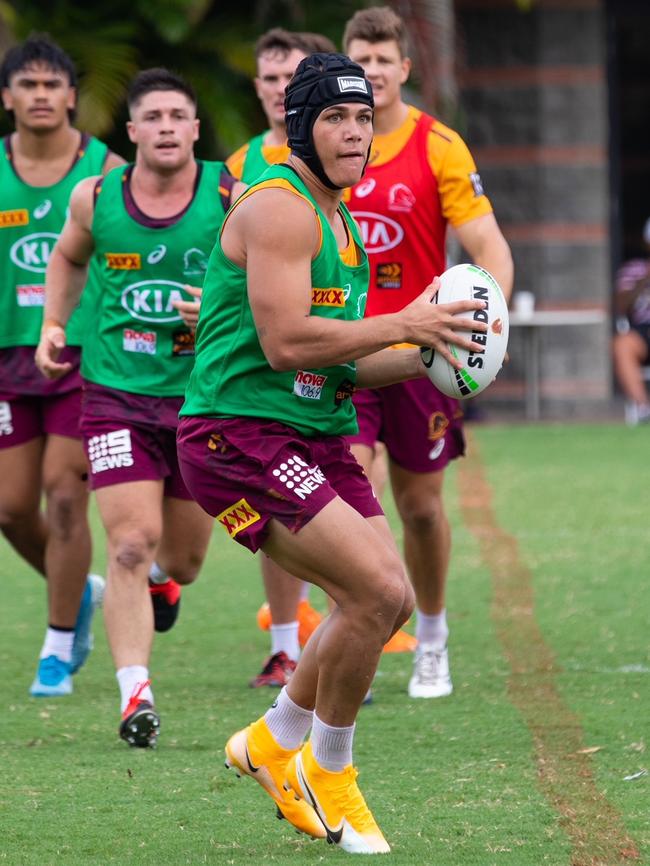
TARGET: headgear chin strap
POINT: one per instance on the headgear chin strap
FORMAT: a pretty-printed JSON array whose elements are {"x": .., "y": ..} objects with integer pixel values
[{"x": 319, "y": 81}]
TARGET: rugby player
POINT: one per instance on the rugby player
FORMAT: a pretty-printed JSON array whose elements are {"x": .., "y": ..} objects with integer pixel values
[
  {"x": 41, "y": 453},
  {"x": 420, "y": 178},
  {"x": 148, "y": 229},
  {"x": 261, "y": 441}
]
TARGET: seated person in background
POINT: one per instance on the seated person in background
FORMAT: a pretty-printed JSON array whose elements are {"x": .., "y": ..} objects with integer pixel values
[{"x": 631, "y": 344}]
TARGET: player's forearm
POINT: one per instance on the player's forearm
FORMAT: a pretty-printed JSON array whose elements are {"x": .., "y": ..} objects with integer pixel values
[
  {"x": 319, "y": 342},
  {"x": 497, "y": 259},
  {"x": 388, "y": 367},
  {"x": 65, "y": 281}
]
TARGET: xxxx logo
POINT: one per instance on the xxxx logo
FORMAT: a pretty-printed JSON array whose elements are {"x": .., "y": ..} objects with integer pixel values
[
  {"x": 237, "y": 517},
  {"x": 9, "y": 218},
  {"x": 327, "y": 298},
  {"x": 123, "y": 261}
]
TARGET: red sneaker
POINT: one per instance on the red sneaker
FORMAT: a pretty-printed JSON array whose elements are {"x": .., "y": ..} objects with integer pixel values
[
  {"x": 140, "y": 723},
  {"x": 276, "y": 672},
  {"x": 166, "y": 600}
]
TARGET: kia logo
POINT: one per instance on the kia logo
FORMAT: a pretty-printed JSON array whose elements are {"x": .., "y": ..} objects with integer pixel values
[
  {"x": 153, "y": 300},
  {"x": 379, "y": 233},
  {"x": 32, "y": 252}
]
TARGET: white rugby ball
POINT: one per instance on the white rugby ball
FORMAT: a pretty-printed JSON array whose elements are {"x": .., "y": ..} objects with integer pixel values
[{"x": 461, "y": 283}]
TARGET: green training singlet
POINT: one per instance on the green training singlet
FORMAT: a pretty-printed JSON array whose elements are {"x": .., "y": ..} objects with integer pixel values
[
  {"x": 31, "y": 219},
  {"x": 254, "y": 162},
  {"x": 232, "y": 377},
  {"x": 139, "y": 342}
]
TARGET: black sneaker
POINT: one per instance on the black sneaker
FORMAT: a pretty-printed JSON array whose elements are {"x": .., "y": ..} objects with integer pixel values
[
  {"x": 166, "y": 600},
  {"x": 140, "y": 725}
]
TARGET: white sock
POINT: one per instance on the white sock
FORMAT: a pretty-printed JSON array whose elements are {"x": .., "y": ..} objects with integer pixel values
[
  {"x": 432, "y": 628},
  {"x": 287, "y": 721},
  {"x": 284, "y": 638},
  {"x": 332, "y": 747},
  {"x": 156, "y": 574},
  {"x": 130, "y": 678},
  {"x": 304, "y": 590},
  {"x": 58, "y": 642}
]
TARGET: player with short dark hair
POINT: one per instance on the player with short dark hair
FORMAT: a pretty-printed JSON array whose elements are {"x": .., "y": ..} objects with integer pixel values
[
  {"x": 147, "y": 229},
  {"x": 420, "y": 179},
  {"x": 40, "y": 442},
  {"x": 261, "y": 437},
  {"x": 160, "y": 80}
]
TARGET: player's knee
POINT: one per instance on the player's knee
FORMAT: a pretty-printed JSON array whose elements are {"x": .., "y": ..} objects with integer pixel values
[
  {"x": 422, "y": 514},
  {"x": 186, "y": 569},
  {"x": 66, "y": 511},
  {"x": 133, "y": 548},
  {"x": 387, "y": 603},
  {"x": 408, "y": 606}
]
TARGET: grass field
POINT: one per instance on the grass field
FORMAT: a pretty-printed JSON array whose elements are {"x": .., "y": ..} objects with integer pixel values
[{"x": 527, "y": 763}]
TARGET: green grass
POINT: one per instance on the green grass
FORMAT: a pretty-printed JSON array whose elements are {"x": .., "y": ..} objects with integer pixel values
[{"x": 451, "y": 782}]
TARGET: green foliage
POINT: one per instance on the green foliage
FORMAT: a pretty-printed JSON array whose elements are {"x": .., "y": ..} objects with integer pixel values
[{"x": 207, "y": 41}]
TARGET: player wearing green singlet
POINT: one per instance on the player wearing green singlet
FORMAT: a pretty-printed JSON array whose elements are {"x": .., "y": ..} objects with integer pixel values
[
  {"x": 277, "y": 53},
  {"x": 232, "y": 376},
  {"x": 288, "y": 613},
  {"x": 32, "y": 217},
  {"x": 281, "y": 343},
  {"x": 139, "y": 343},
  {"x": 40, "y": 440},
  {"x": 147, "y": 229}
]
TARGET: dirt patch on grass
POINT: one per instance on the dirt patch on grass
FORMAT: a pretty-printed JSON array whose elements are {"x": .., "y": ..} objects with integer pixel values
[{"x": 595, "y": 828}]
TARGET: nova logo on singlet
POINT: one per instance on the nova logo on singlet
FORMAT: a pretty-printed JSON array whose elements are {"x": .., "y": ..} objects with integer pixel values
[
  {"x": 110, "y": 451},
  {"x": 123, "y": 261},
  {"x": 236, "y": 517},
  {"x": 327, "y": 298},
  {"x": 153, "y": 300},
  {"x": 32, "y": 253},
  {"x": 9, "y": 218},
  {"x": 142, "y": 342},
  {"x": 309, "y": 385},
  {"x": 379, "y": 233},
  {"x": 298, "y": 477},
  {"x": 30, "y": 295}
]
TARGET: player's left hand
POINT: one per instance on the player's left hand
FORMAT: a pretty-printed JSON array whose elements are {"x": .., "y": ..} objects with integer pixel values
[{"x": 189, "y": 310}]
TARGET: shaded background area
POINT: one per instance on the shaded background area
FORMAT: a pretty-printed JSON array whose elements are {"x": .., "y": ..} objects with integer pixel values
[
  {"x": 552, "y": 97},
  {"x": 210, "y": 43}
]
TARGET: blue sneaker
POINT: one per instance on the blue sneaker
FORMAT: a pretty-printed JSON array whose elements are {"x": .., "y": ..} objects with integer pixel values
[
  {"x": 83, "y": 638},
  {"x": 53, "y": 678}
]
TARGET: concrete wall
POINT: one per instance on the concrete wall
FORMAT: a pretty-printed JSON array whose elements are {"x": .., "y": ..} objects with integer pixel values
[{"x": 533, "y": 109}]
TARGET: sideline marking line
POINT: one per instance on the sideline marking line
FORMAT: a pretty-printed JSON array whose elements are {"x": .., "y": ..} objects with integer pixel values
[{"x": 595, "y": 829}]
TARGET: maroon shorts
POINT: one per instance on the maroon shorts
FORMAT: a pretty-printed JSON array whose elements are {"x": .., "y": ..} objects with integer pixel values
[
  {"x": 248, "y": 471},
  {"x": 421, "y": 428},
  {"x": 20, "y": 377},
  {"x": 131, "y": 437},
  {"x": 26, "y": 418}
]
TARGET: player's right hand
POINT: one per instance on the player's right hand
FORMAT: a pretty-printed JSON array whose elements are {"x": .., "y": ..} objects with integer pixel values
[
  {"x": 189, "y": 310},
  {"x": 435, "y": 325},
  {"x": 49, "y": 349}
]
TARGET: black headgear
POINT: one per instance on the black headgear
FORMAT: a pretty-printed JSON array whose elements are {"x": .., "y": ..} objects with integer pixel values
[{"x": 319, "y": 81}]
